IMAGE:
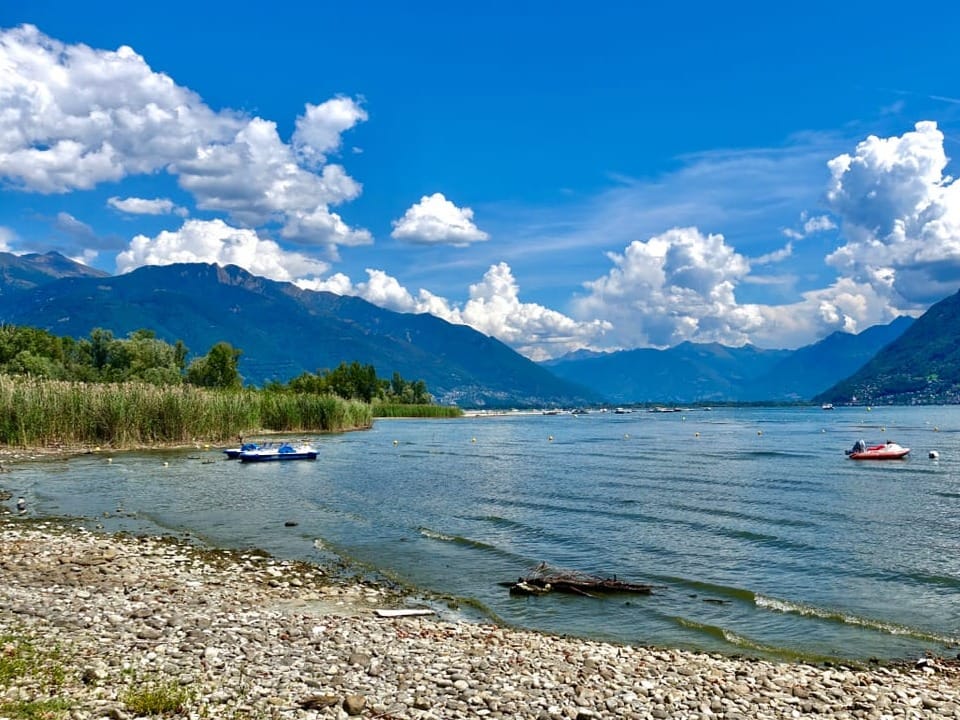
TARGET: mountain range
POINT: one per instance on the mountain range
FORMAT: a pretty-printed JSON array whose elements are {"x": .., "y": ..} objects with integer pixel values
[
  {"x": 283, "y": 331},
  {"x": 922, "y": 366},
  {"x": 710, "y": 372}
]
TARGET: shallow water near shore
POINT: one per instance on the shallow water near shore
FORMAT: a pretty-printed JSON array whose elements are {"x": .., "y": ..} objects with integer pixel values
[{"x": 761, "y": 536}]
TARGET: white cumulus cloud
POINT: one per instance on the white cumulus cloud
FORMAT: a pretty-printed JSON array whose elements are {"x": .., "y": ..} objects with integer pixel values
[
  {"x": 820, "y": 223},
  {"x": 811, "y": 226},
  {"x": 437, "y": 221},
  {"x": 213, "y": 241},
  {"x": 7, "y": 238},
  {"x": 67, "y": 223},
  {"x": 845, "y": 306},
  {"x": 494, "y": 308},
  {"x": 900, "y": 216},
  {"x": 673, "y": 287},
  {"x": 144, "y": 206},
  {"x": 72, "y": 117},
  {"x": 320, "y": 128},
  {"x": 774, "y": 256}
]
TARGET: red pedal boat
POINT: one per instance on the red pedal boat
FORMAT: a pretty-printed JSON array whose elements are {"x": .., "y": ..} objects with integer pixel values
[{"x": 888, "y": 451}]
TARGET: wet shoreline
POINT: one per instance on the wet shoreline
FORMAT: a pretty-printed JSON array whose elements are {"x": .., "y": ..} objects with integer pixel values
[{"x": 245, "y": 635}]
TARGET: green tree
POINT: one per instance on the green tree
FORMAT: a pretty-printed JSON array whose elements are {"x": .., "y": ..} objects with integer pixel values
[
  {"x": 420, "y": 394},
  {"x": 217, "y": 369},
  {"x": 310, "y": 383},
  {"x": 100, "y": 341},
  {"x": 151, "y": 359},
  {"x": 27, "y": 363},
  {"x": 180, "y": 353}
]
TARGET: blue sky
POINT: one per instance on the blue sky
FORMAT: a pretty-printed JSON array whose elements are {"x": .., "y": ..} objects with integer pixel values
[{"x": 558, "y": 175}]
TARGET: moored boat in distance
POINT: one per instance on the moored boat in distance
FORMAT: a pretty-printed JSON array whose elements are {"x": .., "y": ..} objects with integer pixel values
[
  {"x": 285, "y": 451},
  {"x": 887, "y": 451}
]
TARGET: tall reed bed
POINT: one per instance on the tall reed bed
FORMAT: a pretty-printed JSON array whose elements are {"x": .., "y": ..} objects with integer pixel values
[
  {"x": 36, "y": 413},
  {"x": 394, "y": 410}
]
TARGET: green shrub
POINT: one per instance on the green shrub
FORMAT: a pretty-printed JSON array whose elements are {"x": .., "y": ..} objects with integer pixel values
[{"x": 157, "y": 699}]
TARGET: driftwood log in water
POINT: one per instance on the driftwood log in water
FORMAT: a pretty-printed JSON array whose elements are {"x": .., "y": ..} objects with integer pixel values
[{"x": 544, "y": 579}]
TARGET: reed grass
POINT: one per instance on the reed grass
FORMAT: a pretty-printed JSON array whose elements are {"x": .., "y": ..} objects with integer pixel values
[
  {"x": 43, "y": 413},
  {"x": 394, "y": 410}
]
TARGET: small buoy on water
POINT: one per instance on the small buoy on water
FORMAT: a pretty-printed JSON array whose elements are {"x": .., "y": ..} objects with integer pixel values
[
  {"x": 109, "y": 460},
  {"x": 934, "y": 454},
  {"x": 759, "y": 432},
  {"x": 396, "y": 442},
  {"x": 473, "y": 440},
  {"x": 21, "y": 505},
  {"x": 626, "y": 436},
  {"x": 550, "y": 438},
  {"x": 696, "y": 434},
  {"x": 936, "y": 429},
  {"x": 166, "y": 464}
]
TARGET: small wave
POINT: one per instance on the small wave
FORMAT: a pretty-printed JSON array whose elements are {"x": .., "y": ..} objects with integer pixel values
[
  {"x": 750, "y": 454},
  {"x": 745, "y": 643},
  {"x": 461, "y": 541},
  {"x": 888, "y": 628},
  {"x": 921, "y": 578},
  {"x": 499, "y": 521},
  {"x": 765, "y": 539},
  {"x": 712, "y": 630},
  {"x": 708, "y": 588},
  {"x": 434, "y": 535}
]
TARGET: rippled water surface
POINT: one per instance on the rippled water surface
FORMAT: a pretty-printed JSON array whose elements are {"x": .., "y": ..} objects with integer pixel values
[{"x": 761, "y": 536}]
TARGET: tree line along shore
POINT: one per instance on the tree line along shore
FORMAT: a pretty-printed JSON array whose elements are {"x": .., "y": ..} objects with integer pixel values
[
  {"x": 141, "y": 391},
  {"x": 49, "y": 414}
]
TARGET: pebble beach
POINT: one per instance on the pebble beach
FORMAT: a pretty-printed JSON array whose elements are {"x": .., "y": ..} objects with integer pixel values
[{"x": 94, "y": 625}]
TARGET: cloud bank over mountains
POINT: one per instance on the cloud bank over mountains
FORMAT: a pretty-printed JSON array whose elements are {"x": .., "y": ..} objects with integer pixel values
[{"x": 75, "y": 118}]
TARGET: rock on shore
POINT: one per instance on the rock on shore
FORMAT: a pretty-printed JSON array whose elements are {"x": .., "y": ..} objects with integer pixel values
[{"x": 244, "y": 636}]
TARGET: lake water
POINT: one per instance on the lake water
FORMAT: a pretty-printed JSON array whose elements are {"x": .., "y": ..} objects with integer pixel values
[{"x": 762, "y": 537}]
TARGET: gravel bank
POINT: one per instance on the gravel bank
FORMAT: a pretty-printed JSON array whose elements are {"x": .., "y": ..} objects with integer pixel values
[{"x": 90, "y": 623}]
